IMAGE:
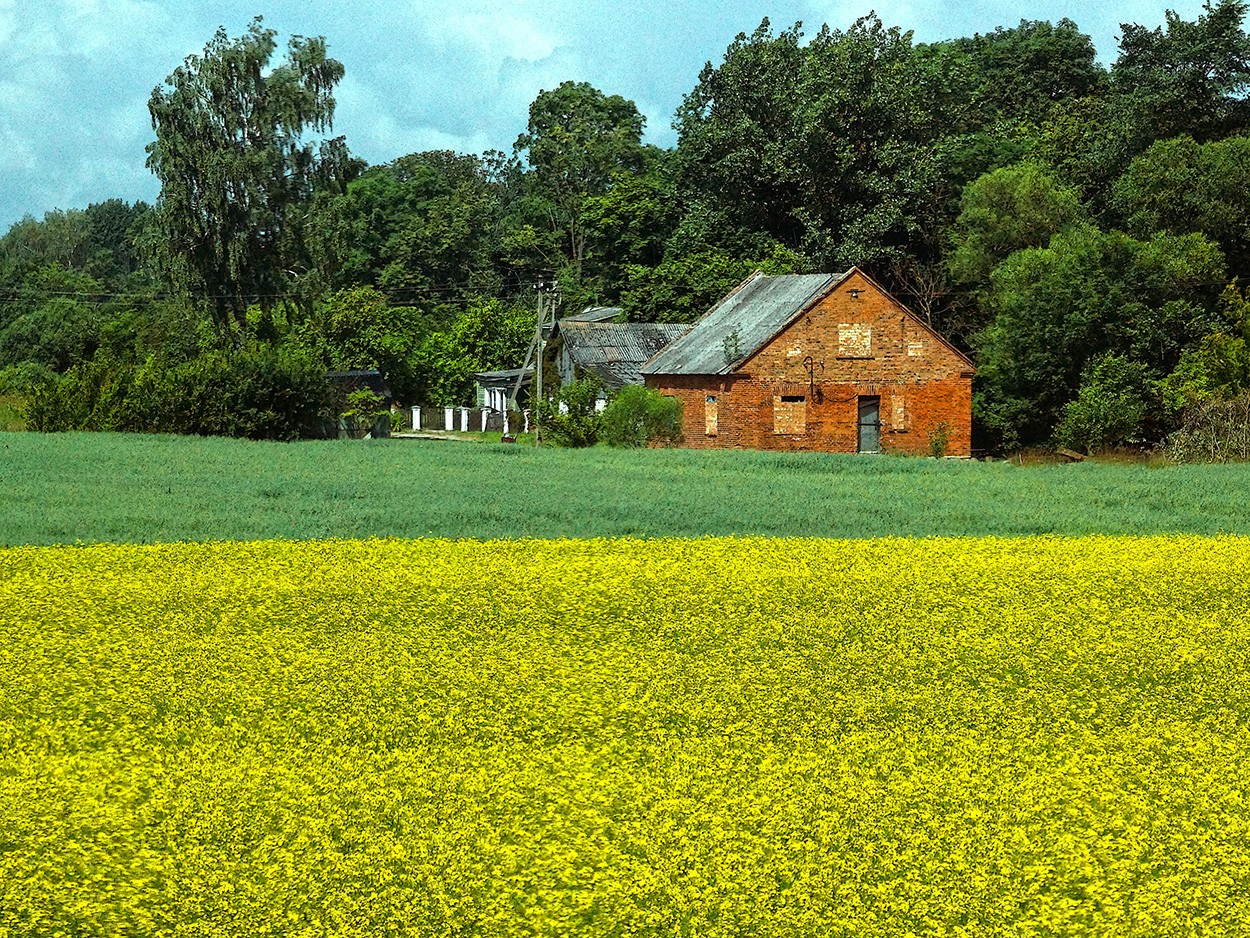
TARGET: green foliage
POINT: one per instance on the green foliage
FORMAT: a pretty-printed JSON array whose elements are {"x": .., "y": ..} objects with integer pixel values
[
  {"x": 1087, "y": 293},
  {"x": 939, "y": 439},
  {"x": 569, "y": 417},
  {"x": 628, "y": 225},
  {"x": 1021, "y": 73},
  {"x": 640, "y": 416},
  {"x": 829, "y": 147},
  {"x": 576, "y": 140},
  {"x": 1110, "y": 408},
  {"x": 258, "y": 392},
  {"x": 359, "y": 329},
  {"x": 1187, "y": 77},
  {"x": 1218, "y": 365},
  {"x": 683, "y": 289},
  {"x": 235, "y": 172},
  {"x": 1007, "y": 210},
  {"x": 1179, "y": 186},
  {"x": 363, "y": 411},
  {"x": 487, "y": 336}
]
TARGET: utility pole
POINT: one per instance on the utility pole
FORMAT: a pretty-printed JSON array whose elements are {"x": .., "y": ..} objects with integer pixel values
[
  {"x": 548, "y": 300},
  {"x": 537, "y": 391}
]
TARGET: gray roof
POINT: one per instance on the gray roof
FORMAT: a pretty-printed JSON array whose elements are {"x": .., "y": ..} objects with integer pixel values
[
  {"x": 594, "y": 314},
  {"x": 504, "y": 376},
  {"x": 615, "y": 351},
  {"x": 741, "y": 324},
  {"x": 589, "y": 314}
]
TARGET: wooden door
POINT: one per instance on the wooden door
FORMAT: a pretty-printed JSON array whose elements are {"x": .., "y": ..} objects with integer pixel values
[{"x": 870, "y": 425}]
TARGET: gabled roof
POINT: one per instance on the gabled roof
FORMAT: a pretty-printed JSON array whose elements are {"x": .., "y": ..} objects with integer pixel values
[
  {"x": 741, "y": 324},
  {"x": 615, "y": 351}
]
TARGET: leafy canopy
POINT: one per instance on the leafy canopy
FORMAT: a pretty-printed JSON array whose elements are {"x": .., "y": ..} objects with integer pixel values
[{"x": 235, "y": 170}]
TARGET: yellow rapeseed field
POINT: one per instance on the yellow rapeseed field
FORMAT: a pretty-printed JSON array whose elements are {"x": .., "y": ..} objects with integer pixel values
[{"x": 716, "y": 737}]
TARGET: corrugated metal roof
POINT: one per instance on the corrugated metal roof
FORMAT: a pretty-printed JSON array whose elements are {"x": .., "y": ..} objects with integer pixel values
[
  {"x": 616, "y": 351},
  {"x": 740, "y": 324},
  {"x": 594, "y": 314}
]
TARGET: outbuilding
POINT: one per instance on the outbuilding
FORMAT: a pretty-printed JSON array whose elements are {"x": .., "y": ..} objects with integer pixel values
[{"x": 828, "y": 362}]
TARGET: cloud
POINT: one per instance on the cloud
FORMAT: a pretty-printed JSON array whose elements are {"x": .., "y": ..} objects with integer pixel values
[
  {"x": 73, "y": 102},
  {"x": 75, "y": 75}
]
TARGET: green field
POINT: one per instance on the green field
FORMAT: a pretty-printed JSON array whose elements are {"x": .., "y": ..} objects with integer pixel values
[{"x": 80, "y": 488}]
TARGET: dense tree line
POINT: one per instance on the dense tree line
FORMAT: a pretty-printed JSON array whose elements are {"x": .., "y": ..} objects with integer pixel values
[{"x": 1080, "y": 230}]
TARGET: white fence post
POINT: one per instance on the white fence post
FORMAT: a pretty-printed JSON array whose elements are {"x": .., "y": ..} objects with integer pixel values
[
  {"x": 464, "y": 419},
  {"x": 416, "y": 418},
  {"x": 449, "y": 419}
]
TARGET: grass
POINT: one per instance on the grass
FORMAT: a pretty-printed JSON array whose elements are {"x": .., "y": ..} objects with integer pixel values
[{"x": 85, "y": 488}]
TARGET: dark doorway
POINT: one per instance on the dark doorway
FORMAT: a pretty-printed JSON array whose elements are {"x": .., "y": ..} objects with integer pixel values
[{"x": 870, "y": 425}]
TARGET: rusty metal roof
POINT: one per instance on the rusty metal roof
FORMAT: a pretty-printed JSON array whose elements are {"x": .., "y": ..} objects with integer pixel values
[
  {"x": 740, "y": 324},
  {"x": 615, "y": 351}
]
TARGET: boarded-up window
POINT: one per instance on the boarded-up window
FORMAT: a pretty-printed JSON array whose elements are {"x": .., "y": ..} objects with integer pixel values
[
  {"x": 899, "y": 421},
  {"x": 915, "y": 347},
  {"x": 709, "y": 415},
  {"x": 790, "y": 414},
  {"x": 854, "y": 340}
]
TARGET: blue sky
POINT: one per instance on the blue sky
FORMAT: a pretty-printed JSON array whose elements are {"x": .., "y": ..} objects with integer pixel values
[{"x": 75, "y": 75}]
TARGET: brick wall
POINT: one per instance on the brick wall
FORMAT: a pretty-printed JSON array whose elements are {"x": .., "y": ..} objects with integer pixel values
[{"x": 809, "y": 380}]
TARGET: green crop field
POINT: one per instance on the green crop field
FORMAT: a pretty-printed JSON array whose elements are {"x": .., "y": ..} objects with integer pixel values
[{"x": 71, "y": 488}]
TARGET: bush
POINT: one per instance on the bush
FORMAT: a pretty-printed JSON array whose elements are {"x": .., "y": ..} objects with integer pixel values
[
  {"x": 1214, "y": 430},
  {"x": 261, "y": 393},
  {"x": 639, "y": 416},
  {"x": 1110, "y": 406},
  {"x": 569, "y": 418}
]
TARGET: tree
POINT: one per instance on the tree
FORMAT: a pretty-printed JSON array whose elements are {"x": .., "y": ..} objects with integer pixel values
[
  {"x": 1022, "y": 72},
  {"x": 1190, "y": 77},
  {"x": 487, "y": 336},
  {"x": 1085, "y": 294},
  {"x": 628, "y": 225},
  {"x": 357, "y": 328},
  {"x": 1179, "y": 186},
  {"x": 683, "y": 289},
  {"x": 830, "y": 148},
  {"x": 1004, "y": 211},
  {"x": 235, "y": 172},
  {"x": 1110, "y": 407},
  {"x": 576, "y": 139}
]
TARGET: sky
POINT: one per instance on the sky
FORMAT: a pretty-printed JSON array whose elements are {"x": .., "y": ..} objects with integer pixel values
[{"x": 76, "y": 75}]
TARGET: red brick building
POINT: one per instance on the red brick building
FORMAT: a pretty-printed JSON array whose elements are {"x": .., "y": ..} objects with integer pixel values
[{"x": 825, "y": 362}]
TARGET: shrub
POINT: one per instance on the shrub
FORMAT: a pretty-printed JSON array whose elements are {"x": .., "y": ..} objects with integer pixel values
[
  {"x": 261, "y": 393},
  {"x": 569, "y": 417},
  {"x": 363, "y": 412},
  {"x": 1214, "y": 430},
  {"x": 1110, "y": 406},
  {"x": 939, "y": 439},
  {"x": 640, "y": 416}
]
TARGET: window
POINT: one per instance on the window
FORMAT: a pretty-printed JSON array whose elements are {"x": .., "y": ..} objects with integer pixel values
[
  {"x": 790, "y": 414},
  {"x": 900, "y": 411},
  {"x": 854, "y": 340},
  {"x": 709, "y": 415}
]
